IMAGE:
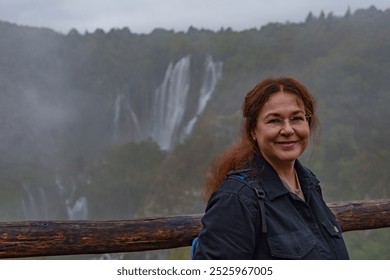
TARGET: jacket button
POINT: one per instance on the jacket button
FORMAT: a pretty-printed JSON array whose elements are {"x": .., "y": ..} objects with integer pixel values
[{"x": 336, "y": 229}]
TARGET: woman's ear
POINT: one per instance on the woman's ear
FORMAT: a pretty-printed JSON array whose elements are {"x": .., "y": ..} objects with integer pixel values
[{"x": 253, "y": 136}]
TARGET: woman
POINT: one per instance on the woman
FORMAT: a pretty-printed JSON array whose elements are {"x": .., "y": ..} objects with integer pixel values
[{"x": 263, "y": 204}]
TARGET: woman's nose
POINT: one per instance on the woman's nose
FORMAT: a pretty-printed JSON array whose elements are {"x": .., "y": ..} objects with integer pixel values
[{"x": 287, "y": 128}]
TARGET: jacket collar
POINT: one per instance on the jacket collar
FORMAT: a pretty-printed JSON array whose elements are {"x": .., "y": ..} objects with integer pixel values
[{"x": 271, "y": 182}]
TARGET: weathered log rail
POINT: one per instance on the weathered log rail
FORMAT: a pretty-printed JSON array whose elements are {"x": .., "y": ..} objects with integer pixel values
[{"x": 53, "y": 238}]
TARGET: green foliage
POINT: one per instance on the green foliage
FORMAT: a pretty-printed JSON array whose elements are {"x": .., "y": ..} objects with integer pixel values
[
  {"x": 123, "y": 182},
  {"x": 368, "y": 245}
]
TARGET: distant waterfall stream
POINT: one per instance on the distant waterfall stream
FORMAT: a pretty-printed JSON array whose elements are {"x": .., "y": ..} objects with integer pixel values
[{"x": 58, "y": 202}]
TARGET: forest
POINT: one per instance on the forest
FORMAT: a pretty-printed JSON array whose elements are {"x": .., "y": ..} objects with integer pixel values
[{"x": 116, "y": 125}]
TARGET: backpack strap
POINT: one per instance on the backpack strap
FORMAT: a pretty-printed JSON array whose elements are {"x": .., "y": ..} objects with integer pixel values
[
  {"x": 241, "y": 177},
  {"x": 194, "y": 246}
]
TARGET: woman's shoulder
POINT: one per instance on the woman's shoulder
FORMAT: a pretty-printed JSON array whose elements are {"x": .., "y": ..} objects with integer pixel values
[
  {"x": 238, "y": 185},
  {"x": 236, "y": 194},
  {"x": 238, "y": 182}
]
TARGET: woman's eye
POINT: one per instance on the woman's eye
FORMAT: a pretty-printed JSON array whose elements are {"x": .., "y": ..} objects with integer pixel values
[
  {"x": 275, "y": 121},
  {"x": 297, "y": 118}
]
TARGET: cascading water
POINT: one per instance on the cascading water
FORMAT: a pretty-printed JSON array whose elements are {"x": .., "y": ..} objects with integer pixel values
[
  {"x": 76, "y": 209},
  {"x": 117, "y": 112},
  {"x": 170, "y": 103},
  {"x": 34, "y": 205},
  {"x": 53, "y": 203},
  {"x": 212, "y": 74},
  {"x": 171, "y": 118}
]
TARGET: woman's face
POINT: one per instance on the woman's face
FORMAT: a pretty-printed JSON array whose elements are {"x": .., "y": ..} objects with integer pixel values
[{"x": 282, "y": 131}]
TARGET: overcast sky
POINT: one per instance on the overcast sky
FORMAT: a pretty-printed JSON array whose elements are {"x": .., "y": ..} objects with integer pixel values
[{"x": 142, "y": 16}]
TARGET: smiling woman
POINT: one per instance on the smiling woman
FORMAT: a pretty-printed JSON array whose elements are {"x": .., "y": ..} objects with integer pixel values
[{"x": 262, "y": 203}]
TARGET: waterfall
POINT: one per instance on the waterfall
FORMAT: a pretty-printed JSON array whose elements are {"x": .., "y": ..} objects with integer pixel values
[
  {"x": 171, "y": 116},
  {"x": 36, "y": 204},
  {"x": 212, "y": 74},
  {"x": 170, "y": 103},
  {"x": 77, "y": 210},
  {"x": 126, "y": 125},
  {"x": 117, "y": 111},
  {"x": 53, "y": 203}
]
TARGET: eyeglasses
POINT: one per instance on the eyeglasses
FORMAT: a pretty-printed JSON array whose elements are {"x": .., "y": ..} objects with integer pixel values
[{"x": 295, "y": 120}]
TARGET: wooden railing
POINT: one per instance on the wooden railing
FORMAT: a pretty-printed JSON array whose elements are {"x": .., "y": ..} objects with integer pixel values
[{"x": 52, "y": 238}]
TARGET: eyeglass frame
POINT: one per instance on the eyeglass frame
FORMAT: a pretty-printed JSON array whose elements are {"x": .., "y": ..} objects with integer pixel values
[{"x": 293, "y": 118}]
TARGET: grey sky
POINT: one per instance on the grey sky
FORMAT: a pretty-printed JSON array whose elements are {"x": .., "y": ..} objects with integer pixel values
[{"x": 142, "y": 16}]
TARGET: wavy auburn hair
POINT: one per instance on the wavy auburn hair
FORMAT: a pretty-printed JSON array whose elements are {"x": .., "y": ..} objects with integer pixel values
[{"x": 239, "y": 155}]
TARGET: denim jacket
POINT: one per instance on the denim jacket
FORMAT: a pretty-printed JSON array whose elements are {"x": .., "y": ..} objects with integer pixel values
[{"x": 293, "y": 228}]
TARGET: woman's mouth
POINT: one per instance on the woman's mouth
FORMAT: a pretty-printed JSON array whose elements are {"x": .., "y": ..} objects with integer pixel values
[{"x": 287, "y": 144}]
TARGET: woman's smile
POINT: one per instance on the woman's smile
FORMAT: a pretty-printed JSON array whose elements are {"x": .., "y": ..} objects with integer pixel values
[{"x": 287, "y": 145}]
